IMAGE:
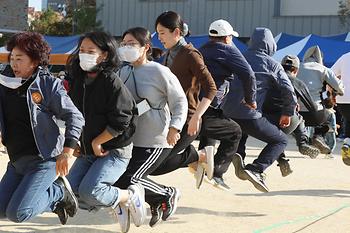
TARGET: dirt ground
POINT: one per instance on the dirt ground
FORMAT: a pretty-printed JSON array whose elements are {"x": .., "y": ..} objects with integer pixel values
[{"x": 314, "y": 198}]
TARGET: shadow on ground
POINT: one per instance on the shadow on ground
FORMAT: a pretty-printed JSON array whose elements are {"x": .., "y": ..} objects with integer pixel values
[
  {"x": 191, "y": 210},
  {"x": 304, "y": 192},
  {"x": 102, "y": 217}
]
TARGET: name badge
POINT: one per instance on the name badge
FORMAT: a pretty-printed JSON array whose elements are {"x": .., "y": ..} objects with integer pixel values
[{"x": 143, "y": 107}]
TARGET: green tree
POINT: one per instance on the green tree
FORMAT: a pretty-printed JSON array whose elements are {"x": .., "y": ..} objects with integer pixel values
[
  {"x": 85, "y": 17},
  {"x": 344, "y": 13},
  {"x": 53, "y": 23}
]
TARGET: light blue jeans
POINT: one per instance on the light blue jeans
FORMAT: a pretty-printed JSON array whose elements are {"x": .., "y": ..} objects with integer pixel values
[
  {"x": 330, "y": 136},
  {"x": 92, "y": 177},
  {"x": 28, "y": 189}
]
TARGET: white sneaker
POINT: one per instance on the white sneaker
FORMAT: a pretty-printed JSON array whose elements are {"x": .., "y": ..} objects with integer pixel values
[
  {"x": 209, "y": 165},
  {"x": 122, "y": 214},
  {"x": 199, "y": 175},
  {"x": 136, "y": 204}
]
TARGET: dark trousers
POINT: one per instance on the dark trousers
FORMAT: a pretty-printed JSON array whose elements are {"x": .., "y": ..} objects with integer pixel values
[
  {"x": 318, "y": 120},
  {"x": 262, "y": 130},
  {"x": 295, "y": 120},
  {"x": 144, "y": 161},
  {"x": 181, "y": 155},
  {"x": 296, "y": 127},
  {"x": 314, "y": 118},
  {"x": 344, "y": 109},
  {"x": 217, "y": 127},
  {"x": 301, "y": 135}
]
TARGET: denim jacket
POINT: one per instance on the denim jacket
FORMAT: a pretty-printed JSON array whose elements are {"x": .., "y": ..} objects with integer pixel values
[{"x": 47, "y": 101}]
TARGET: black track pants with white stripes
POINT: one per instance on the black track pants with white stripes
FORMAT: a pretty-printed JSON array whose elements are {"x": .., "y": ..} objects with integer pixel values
[
  {"x": 143, "y": 162},
  {"x": 181, "y": 155}
]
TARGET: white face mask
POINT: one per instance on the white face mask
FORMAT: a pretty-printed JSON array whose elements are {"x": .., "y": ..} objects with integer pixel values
[
  {"x": 129, "y": 53},
  {"x": 88, "y": 61},
  {"x": 11, "y": 82}
]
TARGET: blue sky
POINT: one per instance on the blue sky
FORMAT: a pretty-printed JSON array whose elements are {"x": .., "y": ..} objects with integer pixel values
[{"x": 35, "y": 3}]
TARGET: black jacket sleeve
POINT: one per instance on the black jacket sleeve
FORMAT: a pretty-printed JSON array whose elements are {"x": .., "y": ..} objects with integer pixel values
[{"x": 120, "y": 105}]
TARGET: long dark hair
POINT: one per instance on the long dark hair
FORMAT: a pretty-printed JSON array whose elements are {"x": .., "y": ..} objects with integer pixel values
[
  {"x": 170, "y": 20},
  {"x": 143, "y": 36},
  {"x": 106, "y": 43}
]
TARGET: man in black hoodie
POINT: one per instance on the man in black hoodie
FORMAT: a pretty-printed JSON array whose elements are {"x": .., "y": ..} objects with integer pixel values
[
  {"x": 274, "y": 105},
  {"x": 272, "y": 109}
]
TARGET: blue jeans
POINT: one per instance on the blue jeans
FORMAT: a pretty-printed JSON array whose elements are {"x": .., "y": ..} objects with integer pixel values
[
  {"x": 28, "y": 189},
  {"x": 330, "y": 136},
  {"x": 92, "y": 177}
]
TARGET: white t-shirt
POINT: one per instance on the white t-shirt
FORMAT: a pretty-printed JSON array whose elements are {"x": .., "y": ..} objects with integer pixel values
[{"x": 342, "y": 68}]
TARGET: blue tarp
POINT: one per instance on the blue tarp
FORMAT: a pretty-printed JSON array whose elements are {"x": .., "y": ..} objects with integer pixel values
[
  {"x": 331, "y": 49},
  {"x": 62, "y": 44},
  {"x": 197, "y": 42},
  {"x": 284, "y": 39},
  {"x": 339, "y": 37}
]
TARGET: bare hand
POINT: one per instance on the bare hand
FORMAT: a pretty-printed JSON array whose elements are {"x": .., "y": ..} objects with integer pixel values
[
  {"x": 193, "y": 125},
  {"x": 62, "y": 165},
  {"x": 284, "y": 121},
  {"x": 98, "y": 150},
  {"x": 77, "y": 151},
  {"x": 173, "y": 136},
  {"x": 250, "y": 105}
]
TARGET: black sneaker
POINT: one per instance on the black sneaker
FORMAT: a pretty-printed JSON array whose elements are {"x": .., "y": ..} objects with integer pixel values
[
  {"x": 170, "y": 205},
  {"x": 308, "y": 150},
  {"x": 69, "y": 202},
  {"x": 238, "y": 163},
  {"x": 257, "y": 179},
  {"x": 219, "y": 183},
  {"x": 157, "y": 213},
  {"x": 61, "y": 212},
  {"x": 284, "y": 166},
  {"x": 320, "y": 144}
]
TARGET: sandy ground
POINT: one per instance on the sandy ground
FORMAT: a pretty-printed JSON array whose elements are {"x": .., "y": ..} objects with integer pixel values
[{"x": 314, "y": 198}]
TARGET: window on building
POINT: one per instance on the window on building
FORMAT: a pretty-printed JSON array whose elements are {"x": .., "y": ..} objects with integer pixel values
[{"x": 307, "y": 7}]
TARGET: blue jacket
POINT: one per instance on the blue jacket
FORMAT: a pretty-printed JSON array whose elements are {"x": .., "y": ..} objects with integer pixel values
[
  {"x": 269, "y": 75},
  {"x": 224, "y": 63},
  {"x": 47, "y": 100}
]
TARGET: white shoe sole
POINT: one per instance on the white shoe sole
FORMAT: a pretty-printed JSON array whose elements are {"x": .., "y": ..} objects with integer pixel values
[
  {"x": 70, "y": 190},
  {"x": 137, "y": 207},
  {"x": 199, "y": 175},
  {"x": 237, "y": 162},
  {"x": 124, "y": 226},
  {"x": 209, "y": 168},
  {"x": 257, "y": 184}
]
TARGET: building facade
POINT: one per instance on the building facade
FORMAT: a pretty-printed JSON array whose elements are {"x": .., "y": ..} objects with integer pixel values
[
  {"x": 55, "y": 5},
  {"x": 14, "y": 15},
  {"x": 300, "y": 17}
]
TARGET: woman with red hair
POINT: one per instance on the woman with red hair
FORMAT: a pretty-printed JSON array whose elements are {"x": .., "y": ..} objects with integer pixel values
[{"x": 30, "y": 103}]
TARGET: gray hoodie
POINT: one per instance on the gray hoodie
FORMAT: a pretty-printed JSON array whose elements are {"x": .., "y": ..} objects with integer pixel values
[{"x": 313, "y": 73}]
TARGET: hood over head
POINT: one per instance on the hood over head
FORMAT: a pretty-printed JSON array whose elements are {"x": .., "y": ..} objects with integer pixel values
[
  {"x": 313, "y": 54},
  {"x": 262, "y": 40}
]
